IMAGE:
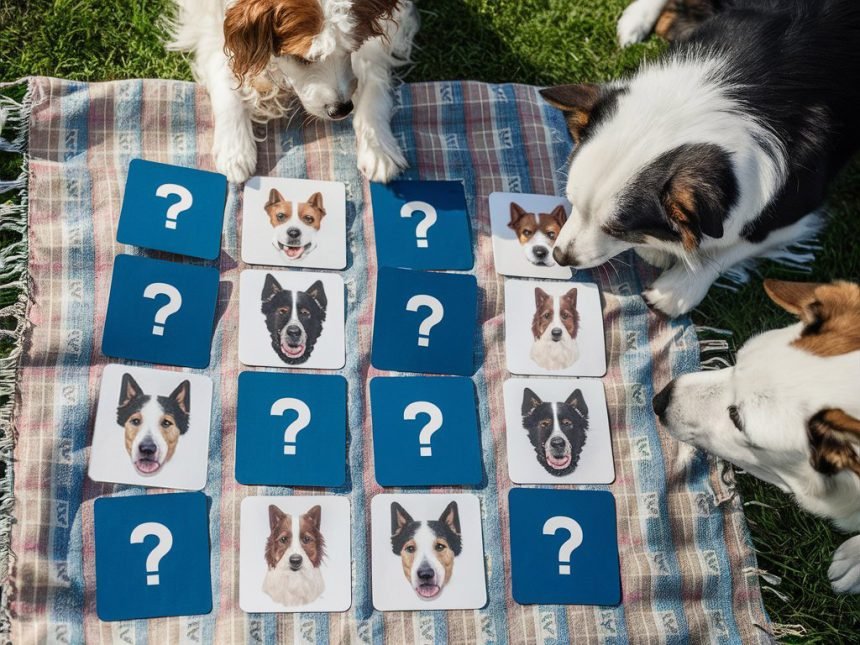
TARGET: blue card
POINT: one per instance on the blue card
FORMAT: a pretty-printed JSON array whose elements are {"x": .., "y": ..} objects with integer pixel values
[
  {"x": 564, "y": 547},
  {"x": 425, "y": 431},
  {"x": 291, "y": 430},
  {"x": 160, "y": 312},
  {"x": 172, "y": 208},
  {"x": 422, "y": 225},
  {"x": 152, "y": 556},
  {"x": 425, "y": 322}
]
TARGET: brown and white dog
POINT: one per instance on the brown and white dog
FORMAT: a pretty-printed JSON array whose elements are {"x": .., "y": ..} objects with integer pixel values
[
  {"x": 295, "y": 224},
  {"x": 257, "y": 58},
  {"x": 788, "y": 412},
  {"x": 555, "y": 325},
  {"x": 537, "y": 232},
  {"x": 294, "y": 553},
  {"x": 152, "y": 424}
]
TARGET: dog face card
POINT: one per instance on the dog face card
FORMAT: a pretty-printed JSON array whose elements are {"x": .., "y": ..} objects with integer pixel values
[
  {"x": 291, "y": 319},
  {"x": 558, "y": 431},
  {"x": 294, "y": 223},
  {"x": 152, "y": 428},
  {"x": 427, "y": 552},
  {"x": 554, "y": 328},
  {"x": 525, "y": 228},
  {"x": 295, "y": 554}
]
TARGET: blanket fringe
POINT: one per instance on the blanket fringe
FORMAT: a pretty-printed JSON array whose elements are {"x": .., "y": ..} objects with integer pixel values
[{"x": 14, "y": 290}]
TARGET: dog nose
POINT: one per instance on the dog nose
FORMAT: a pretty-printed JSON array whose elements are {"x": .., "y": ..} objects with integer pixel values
[
  {"x": 661, "y": 401},
  {"x": 295, "y": 560},
  {"x": 338, "y": 110},
  {"x": 540, "y": 252},
  {"x": 147, "y": 448},
  {"x": 426, "y": 573},
  {"x": 293, "y": 233},
  {"x": 561, "y": 257},
  {"x": 557, "y": 442},
  {"x": 556, "y": 333},
  {"x": 294, "y": 331}
]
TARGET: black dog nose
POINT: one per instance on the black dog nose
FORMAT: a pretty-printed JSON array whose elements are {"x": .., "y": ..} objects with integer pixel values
[
  {"x": 557, "y": 442},
  {"x": 556, "y": 333},
  {"x": 295, "y": 560},
  {"x": 426, "y": 573},
  {"x": 148, "y": 448},
  {"x": 540, "y": 252},
  {"x": 338, "y": 110},
  {"x": 293, "y": 233},
  {"x": 294, "y": 332},
  {"x": 561, "y": 257},
  {"x": 661, "y": 401}
]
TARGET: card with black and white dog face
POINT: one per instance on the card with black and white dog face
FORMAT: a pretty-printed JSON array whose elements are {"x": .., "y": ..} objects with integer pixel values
[
  {"x": 294, "y": 223},
  {"x": 554, "y": 328},
  {"x": 152, "y": 428},
  {"x": 291, "y": 319},
  {"x": 557, "y": 431},
  {"x": 525, "y": 228},
  {"x": 427, "y": 552},
  {"x": 295, "y": 554}
]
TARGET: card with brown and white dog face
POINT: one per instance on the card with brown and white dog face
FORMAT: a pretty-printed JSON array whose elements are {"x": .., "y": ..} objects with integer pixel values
[
  {"x": 525, "y": 228},
  {"x": 294, "y": 223},
  {"x": 554, "y": 328},
  {"x": 427, "y": 552},
  {"x": 295, "y": 554},
  {"x": 152, "y": 428}
]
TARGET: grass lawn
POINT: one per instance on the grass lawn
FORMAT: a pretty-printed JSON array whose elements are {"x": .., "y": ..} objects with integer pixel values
[{"x": 527, "y": 41}]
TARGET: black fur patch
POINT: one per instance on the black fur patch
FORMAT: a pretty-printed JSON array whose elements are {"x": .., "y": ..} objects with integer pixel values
[
  {"x": 170, "y": 406},
  {"x": 277, "y": 306},
  {"x": 443, "y": 530}
]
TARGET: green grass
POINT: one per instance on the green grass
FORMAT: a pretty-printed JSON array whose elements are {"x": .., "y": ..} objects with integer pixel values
[{"x": 527, "y": 41}]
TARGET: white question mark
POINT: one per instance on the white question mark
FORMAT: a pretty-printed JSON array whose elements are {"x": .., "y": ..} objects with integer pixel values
[
  {"x": 551, "y": 527},
  {"x": 165, "y": 543},
  {"x": 184, "y": 203},
  {"x": 424, "y": 407},
  {"x": 282, "y": 405},
  {"x": 174, "y": 303},
  {"x": 437, "y": 312},
  {"x": 426, "y": 222}
]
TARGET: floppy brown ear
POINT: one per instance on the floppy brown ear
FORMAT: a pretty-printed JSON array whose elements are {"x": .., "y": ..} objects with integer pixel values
[
  {"x": 517, "y": 212},
  {"x": 576, "y": 103},
  {"x": 834, "y": 440},
  {"x": 794, "y": 297}
]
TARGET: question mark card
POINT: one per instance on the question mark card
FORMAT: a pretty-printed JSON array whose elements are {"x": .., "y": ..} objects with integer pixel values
[
  {"x": 160, "y": 312},
  {"x": 173, "y": 209},
  {"x": 291, "y": 430},
  {"x": 427, "y": 552},
  {"x": 425, "y": 431},
  {"x": 564, "y": 547},
  {"x": 425, "y": 322},
  {"x": 152, "y": 428},
  {"x": 422, "y": 225},
  {"x": 296, "y": 223},
  {"x": 152, "y": 556}
]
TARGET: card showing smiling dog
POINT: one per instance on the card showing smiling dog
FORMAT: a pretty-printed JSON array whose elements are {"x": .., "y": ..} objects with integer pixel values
[
  {"x": 427, "y": 552},
  {"x": 554, "y": 328},
  {"x": 294, "y": 223},
  {"x": 152, "y": 428},
  {"x": 557, "y": 431},
  {"x": 525, "y": 228},
  {"x": 291, "y": 319},
  {"x": 295, "y": 554}
]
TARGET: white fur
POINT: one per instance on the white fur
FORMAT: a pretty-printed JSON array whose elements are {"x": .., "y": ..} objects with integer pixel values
[
  {"x": 291, "y": 588},
  {"x": 425, "y": 554},
  {"x": 777, "y": 388},
  {"x": 151, "y": 414},
  {"x": 336, "y": 75},
  {"x": 307, "y": 237},
  {"x": 539, "y": 239},
  {"x": 638, "y": 21},
  {"x": 555, "y": 354}
]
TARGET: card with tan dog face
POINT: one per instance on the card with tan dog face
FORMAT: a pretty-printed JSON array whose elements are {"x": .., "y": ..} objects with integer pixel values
[
  {"x": 294, "y": 223},
  {"x": 152, "y": 428},
  {"x": 554, "y": 328},
  {"x": 427, "y": 552},
  {"x": 525, "y": 228}
]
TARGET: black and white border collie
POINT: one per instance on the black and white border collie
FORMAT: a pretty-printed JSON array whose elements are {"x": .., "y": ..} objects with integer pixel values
[
  {"x": 557, "y": 431},
  {"x": 294, "y": 318},
  {"x": 719, "y": 152}
]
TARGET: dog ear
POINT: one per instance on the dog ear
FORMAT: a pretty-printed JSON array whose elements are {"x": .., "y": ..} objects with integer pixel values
[
  {"x": 315, "y": 516},
  {"x": 797, "y": 298},
  {"x": 577, "y": 402},
  {"x": 570, "y": 296},
  {"x": 399, "y": 518},
  {"x": 834, "y": 441},
  {"x": 317, "y": 292},
  {"x": 559, "y": 215},
  {"x": 578, "y": 103},
  {"x": 541, "y": 297},
  {"x": 128, "y": 390},
  {"x": 316, "y": 200},
  {"x": 530, "y": 402},
  {"x": 369, "y": 18},
  {"x": 517, "y": 213},
  {"x": 182, "y": 396},
  {"x": 275, "y": 516},
  {"x": 274, "y": 198},
  {"x": 451, "y": 517},
  {"x": 271, "y": 287}
]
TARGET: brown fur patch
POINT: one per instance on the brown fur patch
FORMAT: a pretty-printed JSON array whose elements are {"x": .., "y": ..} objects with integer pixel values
[
  {"x": 830, "y": 313},
  {"x": 544, "y": 312},
  {"x": 170, "y": 433},
  {"x": 370, "y": 17},
  {"x": 526, "y": 224},
  {"x": 576, "y": 102},
  {"x": 834, "y": 438},
  {"x": 281, "y": 535},
  {"x": 256, "y": 30},
  {"x": 280, "y": 210}
]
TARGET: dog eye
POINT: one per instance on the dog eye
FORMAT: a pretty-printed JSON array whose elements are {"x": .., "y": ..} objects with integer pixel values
[
  {"x": 567, "y": 422},
  {"x": 135, "y": 422},
  {"x": 306, "y": 539},
  {"x": 565, "y": 315},
  {"x": 440, "y": 547},
  {"x": 165, "y": 423},
  {"x": 551, "y": 235},
  {"x": 544, "y": 424},
  {"x": 281, "y": 217},
  {"x": 410, "y": 549},
  {"x": 282, "y": 539},
  {"x": 283, "y": 310},
  {"x": 308, "y": 219},
  {"x": 547, "y": 316},
  {"x": 527, "y": 233},
  {"x": 304, "y": 313},
  {"x": 735, "y": 416}
]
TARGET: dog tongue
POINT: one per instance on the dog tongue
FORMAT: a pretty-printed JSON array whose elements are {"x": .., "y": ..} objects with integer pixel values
[
  {"x": 558, "y": 462},
  {"x": 293, "y": 251},
  {"x": 146, "y": 466},
  {"x": 428, "y": 591},
  {"x": 298, "y": 350}
]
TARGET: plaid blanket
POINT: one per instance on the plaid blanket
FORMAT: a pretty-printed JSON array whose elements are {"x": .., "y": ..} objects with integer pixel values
[{"x": 688, "y": 571}]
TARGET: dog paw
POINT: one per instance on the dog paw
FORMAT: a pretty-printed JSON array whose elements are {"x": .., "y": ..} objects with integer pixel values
[
  {"x": 635, "y": 24},
  {"x": 676, "y": 292},
  {"x": 380, "y": 160},
  {"x": 655, "y": 257},
  {"x": 235, "y": 155},
  {"x": 844, "y": 571}
]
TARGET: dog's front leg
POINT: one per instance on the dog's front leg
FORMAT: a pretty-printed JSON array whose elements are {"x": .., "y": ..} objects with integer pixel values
[
  {"x": 638, "y": 21},
  {"x": 844, "y": 571}
]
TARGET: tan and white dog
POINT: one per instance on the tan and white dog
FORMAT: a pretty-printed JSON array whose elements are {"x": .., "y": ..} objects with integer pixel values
[{"x": 788, "y": 412}]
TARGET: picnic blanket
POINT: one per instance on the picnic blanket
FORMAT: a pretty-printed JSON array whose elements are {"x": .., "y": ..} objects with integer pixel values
[{"x": 688, "y": 570}]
